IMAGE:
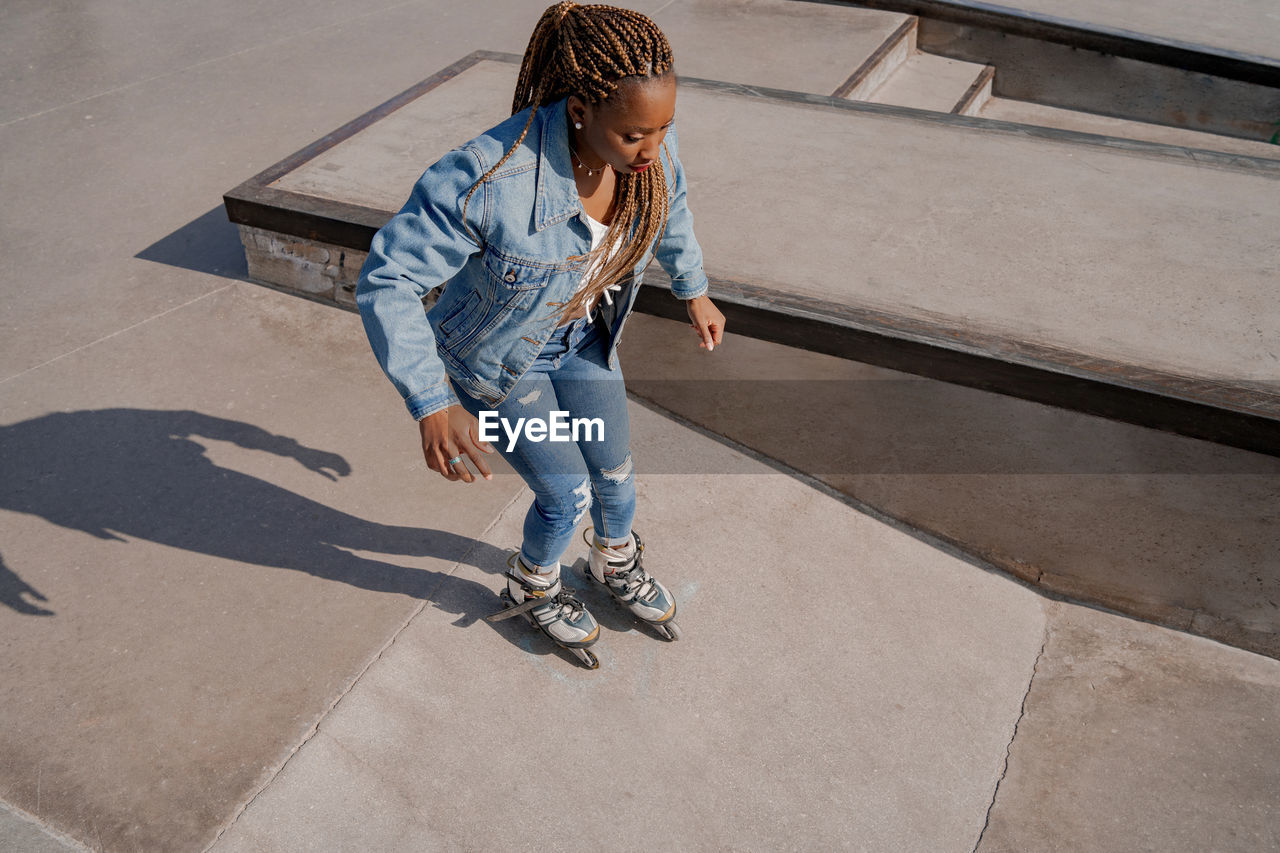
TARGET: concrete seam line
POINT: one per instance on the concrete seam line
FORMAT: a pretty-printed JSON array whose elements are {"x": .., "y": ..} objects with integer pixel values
[
  {"x": 342, "y": 694},
  {"x": 1022, "y": 712},
  {"x": 94, "y": 343},
  {"x": 123, "y": 86}
]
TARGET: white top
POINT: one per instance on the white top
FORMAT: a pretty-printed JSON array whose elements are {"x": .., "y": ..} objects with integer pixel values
[{"x": 598, "y": 230}]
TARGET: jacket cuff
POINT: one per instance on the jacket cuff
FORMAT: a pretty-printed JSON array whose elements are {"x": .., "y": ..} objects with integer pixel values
[
  {"x": 437, "y": 398},
  {"x": 690, "y": 285}
]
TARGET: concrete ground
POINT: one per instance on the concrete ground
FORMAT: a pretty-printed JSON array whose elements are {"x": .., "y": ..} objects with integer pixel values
[{"x": 239, "y": 615}]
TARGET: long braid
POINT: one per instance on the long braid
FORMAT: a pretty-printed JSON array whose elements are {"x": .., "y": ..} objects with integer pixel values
[{"x": 587, "y": 51}]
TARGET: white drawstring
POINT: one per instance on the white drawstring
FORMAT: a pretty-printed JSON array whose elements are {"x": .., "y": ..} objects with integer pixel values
[{"x": 607, "y": 298}]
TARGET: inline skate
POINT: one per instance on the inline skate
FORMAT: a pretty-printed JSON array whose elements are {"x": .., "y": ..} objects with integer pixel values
[
  {"x": 621, "y": 570},
  {"x": 551, "y": 607}
]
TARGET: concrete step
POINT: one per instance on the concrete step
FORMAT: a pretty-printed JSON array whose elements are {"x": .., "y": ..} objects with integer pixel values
[
  {"x": 928, "y": 82},
  {"x": 980, "y": 92},
  {"x": 881, "y": 63},
  {"x": 1028, "y": 112},
  {"x": 801, "y": 47}
]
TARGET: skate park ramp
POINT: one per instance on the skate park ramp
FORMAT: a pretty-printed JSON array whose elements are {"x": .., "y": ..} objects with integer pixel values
[{"x": 238, "y": 615}]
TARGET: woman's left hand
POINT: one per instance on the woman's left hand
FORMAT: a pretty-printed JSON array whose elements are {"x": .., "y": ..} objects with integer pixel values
[{"x": 707, "y": 321}]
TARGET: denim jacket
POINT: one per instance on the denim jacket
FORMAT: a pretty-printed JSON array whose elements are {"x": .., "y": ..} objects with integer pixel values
[{"x": 509, "y": 276}]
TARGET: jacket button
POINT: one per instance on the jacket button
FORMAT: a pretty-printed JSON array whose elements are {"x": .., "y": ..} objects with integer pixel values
[{"x": 511, "y": 276}]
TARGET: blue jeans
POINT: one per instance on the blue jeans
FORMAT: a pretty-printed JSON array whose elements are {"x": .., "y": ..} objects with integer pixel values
[{"x": 569, "y": 478}]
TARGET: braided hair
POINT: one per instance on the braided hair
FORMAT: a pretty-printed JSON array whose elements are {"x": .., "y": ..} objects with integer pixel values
[{"x": 588, "y": 51}]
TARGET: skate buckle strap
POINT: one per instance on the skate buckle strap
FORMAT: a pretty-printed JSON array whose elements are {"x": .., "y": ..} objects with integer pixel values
[{"x": 557, "y": 594}]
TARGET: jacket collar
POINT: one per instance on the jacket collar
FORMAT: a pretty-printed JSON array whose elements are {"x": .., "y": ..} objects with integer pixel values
[{"x": 557, "y": 194}]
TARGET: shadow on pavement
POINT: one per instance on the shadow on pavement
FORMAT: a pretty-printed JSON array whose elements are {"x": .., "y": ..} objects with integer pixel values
[
  {"x": 12, "y": 592},
  {"x": 115, "y": 473},
  {"x": 209, "y": 244}
]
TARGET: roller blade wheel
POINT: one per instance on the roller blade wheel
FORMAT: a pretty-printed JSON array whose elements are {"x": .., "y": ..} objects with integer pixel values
[{"x": 669, "y": 630}]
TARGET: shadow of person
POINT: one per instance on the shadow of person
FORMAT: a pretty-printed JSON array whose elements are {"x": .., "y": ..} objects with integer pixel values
[
  {"x": 12, "y": 590},
  {"x": 117, "y": 473}
]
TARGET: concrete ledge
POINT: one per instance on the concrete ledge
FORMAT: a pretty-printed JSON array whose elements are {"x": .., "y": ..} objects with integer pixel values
[
  {"x": 1121, "y": 87},
  {"x": 1250, "y": 68},
  {"x": 1240, "y": 413},
  {"x": 1244, "y": 415},
  {"x": 255, "y": 202},
  {"x": 878, "y": 67}
]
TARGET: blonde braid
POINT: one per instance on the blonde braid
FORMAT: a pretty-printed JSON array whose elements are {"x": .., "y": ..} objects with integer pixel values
[{"x": 587, "y": 51}]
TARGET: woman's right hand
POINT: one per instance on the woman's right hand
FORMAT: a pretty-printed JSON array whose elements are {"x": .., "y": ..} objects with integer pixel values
[{"x": 453, "y": 432}]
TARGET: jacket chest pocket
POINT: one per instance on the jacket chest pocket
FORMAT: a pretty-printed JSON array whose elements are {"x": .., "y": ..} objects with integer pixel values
[{"x": 508, "y": 273}]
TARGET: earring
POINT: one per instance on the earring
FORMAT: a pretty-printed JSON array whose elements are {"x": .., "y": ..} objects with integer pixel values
[{"x": 578, "y": 125}]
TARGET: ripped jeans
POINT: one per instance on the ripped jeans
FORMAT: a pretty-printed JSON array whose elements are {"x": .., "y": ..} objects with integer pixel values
[{"x": 569, "y": 478}]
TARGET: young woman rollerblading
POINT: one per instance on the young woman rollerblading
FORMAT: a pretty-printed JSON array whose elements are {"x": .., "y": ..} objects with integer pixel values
[{"x": 542, "y": 227}]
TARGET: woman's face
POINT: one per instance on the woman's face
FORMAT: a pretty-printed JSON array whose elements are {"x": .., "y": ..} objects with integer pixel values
[{"x": 625, "y": 130}]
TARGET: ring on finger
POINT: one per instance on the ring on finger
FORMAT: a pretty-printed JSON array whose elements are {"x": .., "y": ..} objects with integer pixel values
[{"x": 454, "y": 461}]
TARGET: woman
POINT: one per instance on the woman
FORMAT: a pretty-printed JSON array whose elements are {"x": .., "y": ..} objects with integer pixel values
[{"x": 542, "y": 228}]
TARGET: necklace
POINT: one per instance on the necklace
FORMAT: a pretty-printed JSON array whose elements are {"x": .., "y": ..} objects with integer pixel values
[{"x": 590, "y": 171}]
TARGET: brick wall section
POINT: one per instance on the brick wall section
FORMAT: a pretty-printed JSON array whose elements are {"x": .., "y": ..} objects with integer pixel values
[
  {"x": 317, "y": 269},
  {"x": 320, "y": 270}
]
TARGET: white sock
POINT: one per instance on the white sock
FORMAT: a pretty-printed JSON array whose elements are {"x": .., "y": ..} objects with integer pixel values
[
  {"x": 626, "y": 546},
  {"x": 539, "y": 576}
]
